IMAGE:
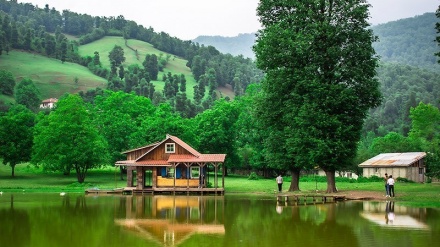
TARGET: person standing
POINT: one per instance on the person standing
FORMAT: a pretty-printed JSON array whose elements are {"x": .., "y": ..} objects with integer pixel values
[
  {"x": 387, "y": 191},
  {"x": 280, "y": 183},
  {"x": 391, "y": 186}
]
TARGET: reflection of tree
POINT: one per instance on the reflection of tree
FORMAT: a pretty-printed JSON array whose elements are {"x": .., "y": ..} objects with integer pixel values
[
  {"x": 312, "y": 225},
  {"x": 14, "y": 227}
]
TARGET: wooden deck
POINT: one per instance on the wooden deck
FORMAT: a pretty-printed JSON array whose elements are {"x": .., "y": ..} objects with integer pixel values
[
  {"x": 152, "y": 191},
  {"x": 308, "y": 199}
]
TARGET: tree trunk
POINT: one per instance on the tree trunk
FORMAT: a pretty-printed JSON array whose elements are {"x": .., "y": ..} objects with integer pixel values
[
  {"x": 122, "y": 171},
  {"x": 331, "y": 184},
  {"x": 13, "y": 170},
  {"x": 81, "y": 174},
  {"x": 294, "y": 184}
]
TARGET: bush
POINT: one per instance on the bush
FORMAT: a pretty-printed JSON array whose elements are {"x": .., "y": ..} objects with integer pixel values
[
  {"x": 253, "y": 176},
  {"x": 404, "y": 180}
]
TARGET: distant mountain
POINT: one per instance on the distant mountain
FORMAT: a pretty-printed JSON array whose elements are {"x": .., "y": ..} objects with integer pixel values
[
  {"x": 408, "y": 41},
  {"x": 238, "y": 45}
]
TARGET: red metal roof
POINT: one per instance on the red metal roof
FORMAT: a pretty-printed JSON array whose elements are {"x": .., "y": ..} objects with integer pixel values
[
  {"x": 393, "y": 159},
  {"x": 182, "y": 158}
]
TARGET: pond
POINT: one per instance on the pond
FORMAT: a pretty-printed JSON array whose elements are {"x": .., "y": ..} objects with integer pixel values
[{"x": 76, "y": 220}]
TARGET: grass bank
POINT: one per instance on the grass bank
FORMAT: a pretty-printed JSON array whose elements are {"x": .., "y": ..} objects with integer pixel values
[{"x": 31, "y": 179}]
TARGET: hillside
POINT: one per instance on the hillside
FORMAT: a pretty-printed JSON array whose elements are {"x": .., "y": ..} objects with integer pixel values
[
  {"x": 175, "y": 64},
  {"x": 51, "y": 77},
  {"x": 408, "y": 41}
]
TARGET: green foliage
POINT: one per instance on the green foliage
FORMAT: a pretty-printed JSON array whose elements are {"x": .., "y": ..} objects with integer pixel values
[
  {"x": 27, "y": 94},
  {"x": 16, "y": 135},
  {"x": 408, "y": 41},
  {"x": 253, "y": 176},
  {"x": 120, "y": 116},
  {"x": 66, "y": 139},
  {"x": 7, "y": 82},
  {"x": 312, "y": 105},
  {"x": 404, "y": 180}
]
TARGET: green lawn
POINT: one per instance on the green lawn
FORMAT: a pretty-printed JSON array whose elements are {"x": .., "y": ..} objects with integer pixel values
[
  {"x": 51, "y": 77},
  {"x": 31, "y": 179}
]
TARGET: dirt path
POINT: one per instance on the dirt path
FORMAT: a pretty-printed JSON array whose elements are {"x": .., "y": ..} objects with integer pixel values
[{"x": 362, "y": 195}]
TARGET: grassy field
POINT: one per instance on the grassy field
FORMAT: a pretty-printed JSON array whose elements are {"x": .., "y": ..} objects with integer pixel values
[
  {"x": 31, "y": 179},
  {"x": 51, "y": 77}
]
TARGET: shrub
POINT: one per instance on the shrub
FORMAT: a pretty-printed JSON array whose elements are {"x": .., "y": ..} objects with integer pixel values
[
  {"x": 253, "y": 176},
  {"x": 404, "y": 180}
]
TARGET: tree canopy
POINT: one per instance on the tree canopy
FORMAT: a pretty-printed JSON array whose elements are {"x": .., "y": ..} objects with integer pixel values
[
  {"x": 16, "y": 136},
  {"x": 66, "y": 139}
]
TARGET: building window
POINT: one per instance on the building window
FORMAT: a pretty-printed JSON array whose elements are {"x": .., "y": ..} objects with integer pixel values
[
  {"x": 421, "y": 171},
  {"x": 170, "y": 172},
  {"x": 195, "y": 172},
  {"x": 170, "y": 148}
]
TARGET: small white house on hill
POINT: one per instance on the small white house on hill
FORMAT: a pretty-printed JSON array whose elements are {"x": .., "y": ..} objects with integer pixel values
[{"x": 405, "y": 165}]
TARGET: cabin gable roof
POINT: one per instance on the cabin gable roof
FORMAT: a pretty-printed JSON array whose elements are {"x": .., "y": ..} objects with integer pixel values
[
  {"x": 155, "y": 154},
  {"x": 393, "y": 160}
]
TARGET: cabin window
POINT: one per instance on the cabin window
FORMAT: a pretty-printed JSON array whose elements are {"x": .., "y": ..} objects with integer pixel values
[
  {"x": 170, "y": 148},
  {"x": 170, "y": 172},
  {"x": 421, "y": 170},
  {"x": 195, "y": 172}
]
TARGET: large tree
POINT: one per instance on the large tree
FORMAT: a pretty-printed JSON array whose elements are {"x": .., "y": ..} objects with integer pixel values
[
  {"x": 119, "y": 116},
  {"x": 16, "y": 135},
  {"x": 7, "y": 82},
  {"x": 66, "y": 139},
  {"x": 27, "y": 94},
  {"x": 320, "y": 81}
]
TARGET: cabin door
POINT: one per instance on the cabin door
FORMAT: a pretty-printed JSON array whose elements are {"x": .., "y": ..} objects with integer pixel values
[{"x": 148, "y": 178}]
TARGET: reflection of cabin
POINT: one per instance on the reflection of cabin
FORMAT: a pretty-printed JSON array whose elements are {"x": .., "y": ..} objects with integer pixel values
[
  {"x": 171, "y": 220},
  {"x": 48, "y": 103},
  {"x": 171, "y": 165},
  {"x": 405, "y": 165},
  {"x": 403, "y": 217}
]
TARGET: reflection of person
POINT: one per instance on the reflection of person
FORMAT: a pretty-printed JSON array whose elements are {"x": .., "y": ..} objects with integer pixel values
[
  {"x": 280, "y": 183},
  {"x": 389, "y": 213},
  {"x": 387, "y": 191},
  {"x": 391, "y": 186},
  {"x": 279, "y": 209}
]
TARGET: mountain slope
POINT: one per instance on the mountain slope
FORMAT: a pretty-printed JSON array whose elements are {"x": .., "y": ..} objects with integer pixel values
[
  {"x": 408, "y": 41},
  {"x": 51, "y": 77}
]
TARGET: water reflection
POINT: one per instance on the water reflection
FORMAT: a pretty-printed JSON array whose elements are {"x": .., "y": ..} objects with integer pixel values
[
  {"x": 46, "y": 220},
  {"x": 388, "y": 214},
  {"x": 170, "y": 220}
]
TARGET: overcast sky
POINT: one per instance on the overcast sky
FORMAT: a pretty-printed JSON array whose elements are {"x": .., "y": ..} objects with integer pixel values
[{"x": 187, "y": 19}]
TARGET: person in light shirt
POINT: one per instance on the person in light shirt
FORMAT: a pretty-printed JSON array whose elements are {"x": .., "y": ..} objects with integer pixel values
[{"x": 391, "y": 186}]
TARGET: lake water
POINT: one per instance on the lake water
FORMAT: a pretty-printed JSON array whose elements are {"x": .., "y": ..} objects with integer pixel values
[{"x": 75, "y": 220}]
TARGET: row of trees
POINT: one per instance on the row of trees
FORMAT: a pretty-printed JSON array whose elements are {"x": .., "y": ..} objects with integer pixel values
[{"x": 77, "y": 135}]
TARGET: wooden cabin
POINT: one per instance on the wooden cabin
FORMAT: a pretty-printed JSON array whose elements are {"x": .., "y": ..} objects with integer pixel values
[
  {"x": 173, "y": 166},
  {"x": 405, "y": 165}
]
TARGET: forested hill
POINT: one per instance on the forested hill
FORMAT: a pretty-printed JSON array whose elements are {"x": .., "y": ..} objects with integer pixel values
[{"x": 407, "y": 41}]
